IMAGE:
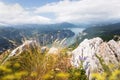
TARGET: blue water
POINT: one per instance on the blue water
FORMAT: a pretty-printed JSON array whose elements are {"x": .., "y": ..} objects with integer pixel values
[
  {"x": 77, "y": 30},
  {"x": 71, "y": 40}
]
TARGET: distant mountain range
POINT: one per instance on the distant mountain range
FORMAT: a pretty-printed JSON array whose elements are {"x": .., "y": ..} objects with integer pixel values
[{"x": 13, "y": 35}]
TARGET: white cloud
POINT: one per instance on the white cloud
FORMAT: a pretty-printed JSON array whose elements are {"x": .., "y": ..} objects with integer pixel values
[
  {"x": 83, "y": 11},
  {"x": 76, "y": 11},
  {"x": 16, "y": 14}
]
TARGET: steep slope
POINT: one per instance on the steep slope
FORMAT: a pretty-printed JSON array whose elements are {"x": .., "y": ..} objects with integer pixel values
[{"x": 106, "y": 32}]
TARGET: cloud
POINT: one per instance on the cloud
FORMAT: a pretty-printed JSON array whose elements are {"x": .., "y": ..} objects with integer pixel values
[
  {"x": 16, "y": 14},
  {"x": 83, "y": 11},
  {"x": 75, "y": 11}
]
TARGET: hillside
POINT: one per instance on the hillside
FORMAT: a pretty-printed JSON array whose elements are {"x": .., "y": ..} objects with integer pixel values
[
  {"x": 106, "y": 32},
  {"x": 12, "y": 36}
]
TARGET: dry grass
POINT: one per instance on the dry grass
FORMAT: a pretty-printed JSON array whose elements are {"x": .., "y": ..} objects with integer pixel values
[
  {"x": 31, "y": 64},
  {"x": 39, "y": 65}
]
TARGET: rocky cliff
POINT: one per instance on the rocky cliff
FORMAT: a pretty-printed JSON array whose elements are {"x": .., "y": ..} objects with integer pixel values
[{"x": 88, "y": 50}]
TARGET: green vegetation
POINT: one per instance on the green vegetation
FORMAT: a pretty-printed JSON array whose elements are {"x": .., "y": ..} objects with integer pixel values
[
  {"x": 34, "y": 65},
  {"x": 12, "y": 36},
  {"x": 106, "y": 32},
  {"x": 110, "y": 72}
]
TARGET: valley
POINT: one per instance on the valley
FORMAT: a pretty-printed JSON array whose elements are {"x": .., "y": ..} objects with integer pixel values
[
  {"x": 12, "y": 36},
  {"x": 59, "y": 39}
]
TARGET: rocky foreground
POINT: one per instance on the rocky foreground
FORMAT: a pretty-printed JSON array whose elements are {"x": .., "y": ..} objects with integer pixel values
[
  {"x": 88, "y": 50},
  {"x": 85, "y": 54}
]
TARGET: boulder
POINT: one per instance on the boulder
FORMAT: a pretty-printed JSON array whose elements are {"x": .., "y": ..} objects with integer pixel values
[
  {"x": 17, "y": 51},
  {"x": 43, "y": 49},
  {"x": 87, "y": 50},
  {"x": 53, "y": 50}
]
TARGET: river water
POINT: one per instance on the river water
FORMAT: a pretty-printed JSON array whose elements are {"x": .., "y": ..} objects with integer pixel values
[{"x": 71, "y": 40}]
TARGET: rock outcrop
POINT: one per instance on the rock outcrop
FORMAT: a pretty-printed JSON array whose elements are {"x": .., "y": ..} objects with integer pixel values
[
  {"x": 86, "y": 53},
  {"x": 17, "y": 51},
  {"x": 53, "y": 50}
]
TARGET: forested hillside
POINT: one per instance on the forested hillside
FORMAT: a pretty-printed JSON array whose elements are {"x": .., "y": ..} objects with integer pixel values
[{"x": 12, "y": 36}]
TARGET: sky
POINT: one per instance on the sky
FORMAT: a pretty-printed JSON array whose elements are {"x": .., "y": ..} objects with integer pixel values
[
  {"x": 30, "y": 3},
  {"x": 56, "y": 11}
]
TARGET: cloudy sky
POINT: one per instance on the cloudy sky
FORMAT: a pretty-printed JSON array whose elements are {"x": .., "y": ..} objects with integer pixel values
[{"x": 56, "y": 11}]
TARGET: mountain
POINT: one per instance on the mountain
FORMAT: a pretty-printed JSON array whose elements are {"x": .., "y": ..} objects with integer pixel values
[
  {"x": 56, "y": 25},
  {"x": 106, "y": 32},
  {"x": 65, "y": 25},
  {"x": 12, "y": 36}
]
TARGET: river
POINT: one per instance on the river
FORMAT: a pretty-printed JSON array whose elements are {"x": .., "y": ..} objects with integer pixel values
[{"x": 71, "y": 40}]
